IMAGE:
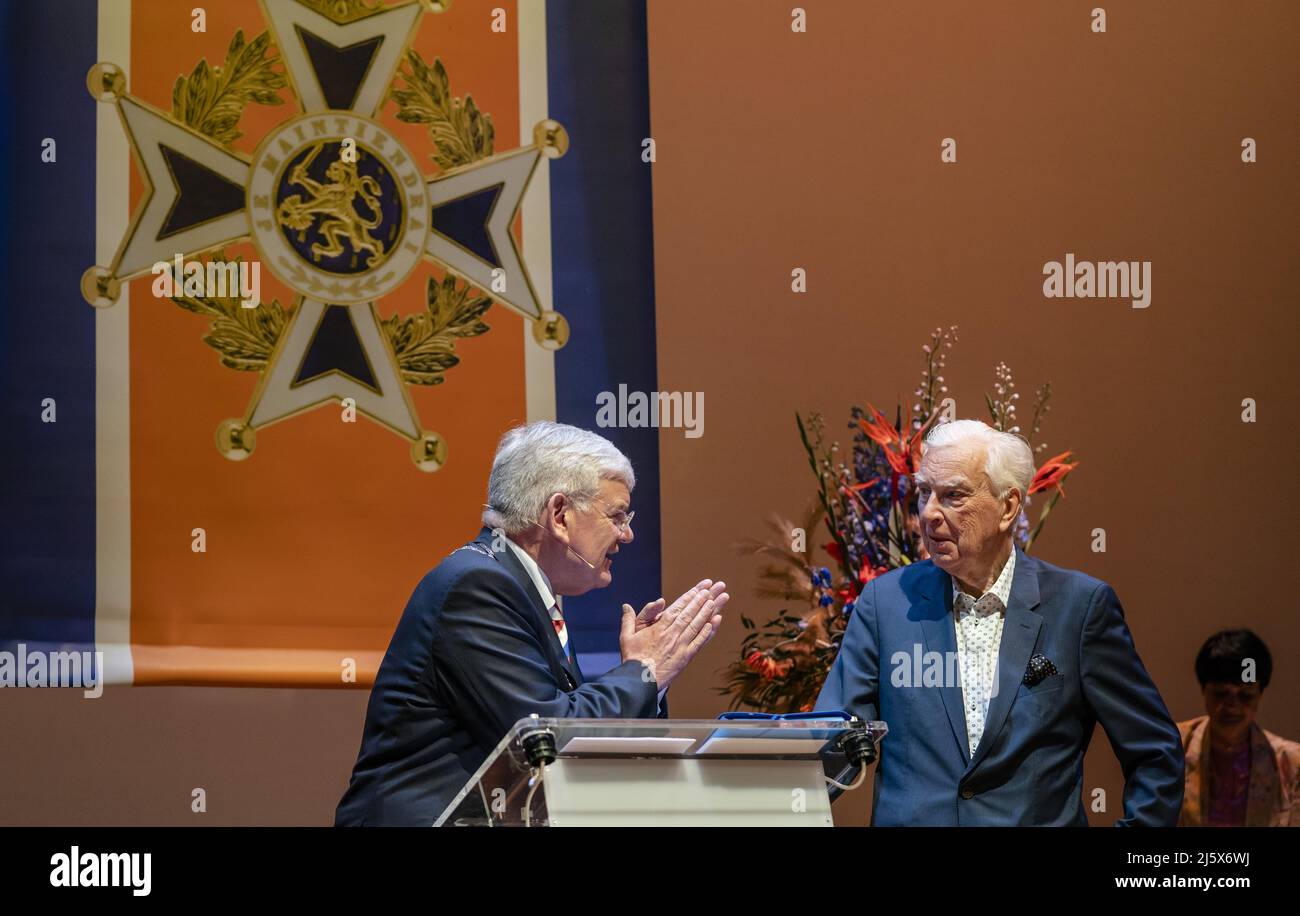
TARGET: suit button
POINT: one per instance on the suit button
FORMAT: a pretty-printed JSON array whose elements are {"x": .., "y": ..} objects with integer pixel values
[{"x": 968, "y": 793}]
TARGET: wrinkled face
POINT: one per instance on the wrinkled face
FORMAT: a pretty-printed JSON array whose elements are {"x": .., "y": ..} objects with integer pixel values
[
  {"x": 963, "y": 523},
  {"x": 593, "y": 533},
  {"x": 1231, "y": 707}
]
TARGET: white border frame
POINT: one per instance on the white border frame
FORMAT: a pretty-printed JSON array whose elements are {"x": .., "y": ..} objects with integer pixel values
[
  {"x": 113, "y": 371},
  {"x": 539, "y": 363}
]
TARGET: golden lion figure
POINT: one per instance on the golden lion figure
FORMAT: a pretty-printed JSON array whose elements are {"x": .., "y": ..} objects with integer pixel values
[{"x": 336, "y": 203}]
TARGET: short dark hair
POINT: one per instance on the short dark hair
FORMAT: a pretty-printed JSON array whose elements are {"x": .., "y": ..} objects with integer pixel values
[{"x": 1221, "y": 658}]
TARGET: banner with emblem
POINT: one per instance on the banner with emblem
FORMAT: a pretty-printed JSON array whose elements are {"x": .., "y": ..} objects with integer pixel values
[{"x": 330, "y": 251}]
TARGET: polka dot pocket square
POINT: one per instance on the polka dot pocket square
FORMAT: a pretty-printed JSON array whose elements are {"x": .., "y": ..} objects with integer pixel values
[{"x": 1040, "y": 667}]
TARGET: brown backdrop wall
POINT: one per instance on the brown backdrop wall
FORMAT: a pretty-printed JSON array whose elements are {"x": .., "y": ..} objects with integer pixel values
[
  {"x": 778, "y": 150},
  {"x": 822, "y": 150}
]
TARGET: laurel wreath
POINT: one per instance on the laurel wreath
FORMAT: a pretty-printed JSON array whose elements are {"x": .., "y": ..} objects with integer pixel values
[
  {"x": 425, "y": 344},
  {"x": 461, "y": 133},
  {"x": 244, "y": 337},
  {"x": 212, "y": 100}
]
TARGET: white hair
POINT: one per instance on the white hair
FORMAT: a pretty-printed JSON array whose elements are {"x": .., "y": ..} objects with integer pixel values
[
  {"x": 1008, "y": 459},
  {"x": 539, "y": 459}
]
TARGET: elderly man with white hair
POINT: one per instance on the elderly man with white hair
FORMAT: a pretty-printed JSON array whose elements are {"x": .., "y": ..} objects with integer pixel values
[
  {"x": 483, "y": 643},
  {"x": 1022, "y": 659}
]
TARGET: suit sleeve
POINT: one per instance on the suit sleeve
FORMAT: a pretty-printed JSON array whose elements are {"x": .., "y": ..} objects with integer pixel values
[
  {"x": 1127, "y": 704},
  {"x": 854, "y": 680},
  {"x": 493, "y": 669}
]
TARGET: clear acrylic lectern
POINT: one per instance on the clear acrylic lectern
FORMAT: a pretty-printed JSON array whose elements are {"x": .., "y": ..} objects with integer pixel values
[{"x": 660, "y": 772}]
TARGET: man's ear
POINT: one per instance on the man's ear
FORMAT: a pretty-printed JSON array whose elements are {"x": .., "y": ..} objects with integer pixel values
[
  {"x": 556, "y": 507},
  {"x": 1011, "y": 511}
]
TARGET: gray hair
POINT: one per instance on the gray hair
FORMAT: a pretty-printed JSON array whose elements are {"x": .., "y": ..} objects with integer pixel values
[
  {"x": 1008, "y": 462},
  {"x": 539, "y": 459}
]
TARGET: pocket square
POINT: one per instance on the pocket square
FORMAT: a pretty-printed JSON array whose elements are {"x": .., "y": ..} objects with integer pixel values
[{"x": 1040, "y": 667}]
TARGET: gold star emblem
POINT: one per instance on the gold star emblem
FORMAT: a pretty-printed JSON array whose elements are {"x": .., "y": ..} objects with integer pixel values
[{"x": 337, "y": 209}]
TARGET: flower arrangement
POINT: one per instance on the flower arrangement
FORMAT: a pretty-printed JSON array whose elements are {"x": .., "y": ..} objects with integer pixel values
[{"x": 866, "y": 500}]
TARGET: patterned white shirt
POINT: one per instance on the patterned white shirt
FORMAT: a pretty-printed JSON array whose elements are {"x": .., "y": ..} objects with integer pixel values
[{"x": 979, "y": 637}]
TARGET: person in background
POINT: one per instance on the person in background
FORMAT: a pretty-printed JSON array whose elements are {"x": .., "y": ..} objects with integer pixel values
[{"x": 1237, "y": 774}]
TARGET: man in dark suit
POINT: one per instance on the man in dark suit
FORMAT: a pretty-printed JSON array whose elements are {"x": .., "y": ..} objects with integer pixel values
[
  {"x": 483, "y": 643},
  {"x": 991, "y": 667}
]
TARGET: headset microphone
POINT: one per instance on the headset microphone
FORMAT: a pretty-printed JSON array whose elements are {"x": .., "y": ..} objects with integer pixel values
[{"x": 590, "y": 565}]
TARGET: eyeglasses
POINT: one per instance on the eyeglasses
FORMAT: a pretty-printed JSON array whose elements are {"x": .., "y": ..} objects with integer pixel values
[{"x": 621, "y": 520}]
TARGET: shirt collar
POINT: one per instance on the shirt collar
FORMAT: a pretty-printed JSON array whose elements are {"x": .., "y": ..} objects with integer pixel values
[
  {"x": 1001, "y": 587},
  {"x": 539, "y": 580}
]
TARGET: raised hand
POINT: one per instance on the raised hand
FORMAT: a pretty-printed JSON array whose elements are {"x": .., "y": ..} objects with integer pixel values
[
  {"x": 650, "y": 613},
  {"x": 668, "y": 639}
]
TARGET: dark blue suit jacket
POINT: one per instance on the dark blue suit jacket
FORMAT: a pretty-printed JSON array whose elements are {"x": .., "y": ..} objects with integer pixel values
[
  {"x": 473, "y": 653},
  {"x": 1028, "y": 766}
]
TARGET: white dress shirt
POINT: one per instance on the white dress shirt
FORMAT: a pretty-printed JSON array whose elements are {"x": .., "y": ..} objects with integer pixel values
[
  {"x": 543, "y": 586},
  {"x": 979, "y": 637}
]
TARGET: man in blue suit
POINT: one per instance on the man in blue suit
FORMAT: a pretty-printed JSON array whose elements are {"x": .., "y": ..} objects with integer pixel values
[
  {"x": 483, "y": 643},
  {"x": 991, "y": 668}
]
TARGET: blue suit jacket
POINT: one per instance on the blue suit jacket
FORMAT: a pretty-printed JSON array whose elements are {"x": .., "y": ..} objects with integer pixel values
[
  {"x": 474, "y": 652},
  {"x": 1028, "y": 766}
]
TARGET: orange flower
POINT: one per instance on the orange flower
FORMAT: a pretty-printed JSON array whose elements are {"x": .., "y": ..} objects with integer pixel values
[
  {"x": 868, "y": 572},
  {"x": 878, "y": 429},
  {"x": 852, "y": 490},
  {"x": 766, "y": 666},
  {"x": 906, "y": 461},
  {"x": 1053, "y": 473},
  {"x": 906, "y": 458}
]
